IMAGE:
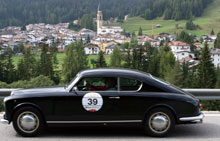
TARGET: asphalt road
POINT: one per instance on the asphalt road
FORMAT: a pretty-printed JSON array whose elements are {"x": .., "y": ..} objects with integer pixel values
[{"x": 208, "y": 130}]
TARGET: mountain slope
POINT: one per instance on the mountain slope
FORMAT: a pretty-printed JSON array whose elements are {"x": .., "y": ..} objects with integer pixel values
[{"x": 209, "y": 20}]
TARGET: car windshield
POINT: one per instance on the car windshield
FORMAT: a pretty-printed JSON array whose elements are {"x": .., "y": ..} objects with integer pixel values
[{"x": 69, "y": 84}]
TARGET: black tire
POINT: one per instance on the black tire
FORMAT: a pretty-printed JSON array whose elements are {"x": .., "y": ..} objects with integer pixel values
[
  {"x": 159, "y": 122},
  {"x": 28, "y": 122}
]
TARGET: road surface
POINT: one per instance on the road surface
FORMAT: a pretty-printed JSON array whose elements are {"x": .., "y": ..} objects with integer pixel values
[{"x": 208, "y": 130}]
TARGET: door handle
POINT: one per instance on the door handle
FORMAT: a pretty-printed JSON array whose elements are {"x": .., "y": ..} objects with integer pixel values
[{"x": 117, "y": 97}]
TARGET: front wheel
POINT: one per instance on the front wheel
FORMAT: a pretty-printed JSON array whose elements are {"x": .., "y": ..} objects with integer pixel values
[
  {"x": 28, "y": 121},
  {"x": 159, "y": 122}
]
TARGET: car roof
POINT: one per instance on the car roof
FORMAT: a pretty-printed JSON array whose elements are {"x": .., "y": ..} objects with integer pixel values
[{"x": 114, "y": 73}]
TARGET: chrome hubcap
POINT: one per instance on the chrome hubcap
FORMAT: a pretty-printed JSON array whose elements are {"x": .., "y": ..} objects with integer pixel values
[
  {"x": 28, "y": 122},
  {"x": 159, "y": 122}
]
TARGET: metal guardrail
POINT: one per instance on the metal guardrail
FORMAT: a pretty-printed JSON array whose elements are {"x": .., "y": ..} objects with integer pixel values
[
  {"x": 205, "y": 94},
  {"x": 5, "y": 92},
  {"x": 202, "y": 94}
]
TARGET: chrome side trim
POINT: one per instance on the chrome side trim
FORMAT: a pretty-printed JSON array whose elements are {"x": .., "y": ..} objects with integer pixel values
[
  {"x": 199, "y": 117},
  {"x": 114, "y": 121}
]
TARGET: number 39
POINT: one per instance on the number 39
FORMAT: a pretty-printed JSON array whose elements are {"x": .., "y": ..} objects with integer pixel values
[{"x": 92, "y": 101}]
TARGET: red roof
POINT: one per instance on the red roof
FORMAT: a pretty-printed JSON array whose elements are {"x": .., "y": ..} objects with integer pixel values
[{"x": 178, "y": 43}]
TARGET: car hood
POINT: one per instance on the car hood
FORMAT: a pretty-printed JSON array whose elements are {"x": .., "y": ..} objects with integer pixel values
[{"x": 39, "y": 90}]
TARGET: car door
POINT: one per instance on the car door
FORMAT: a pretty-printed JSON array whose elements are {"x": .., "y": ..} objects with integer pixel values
[
  {"x": 131, "y": 103},
  {"x": 91, "y": 101}
]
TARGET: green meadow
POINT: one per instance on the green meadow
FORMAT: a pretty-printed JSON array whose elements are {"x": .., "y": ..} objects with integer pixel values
[
  {"x": 208, "y": 21},
  {"x": 60, "y": 58}
]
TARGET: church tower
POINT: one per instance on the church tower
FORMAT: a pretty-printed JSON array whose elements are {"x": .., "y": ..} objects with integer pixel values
[{"x": 99, "y": 20}]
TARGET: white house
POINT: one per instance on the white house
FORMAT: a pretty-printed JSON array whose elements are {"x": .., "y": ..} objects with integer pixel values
[
  {"x": 91, "y": 49},
  {"x": 7, "y": 34},
  {"x": 180, "y": 50},
  {"x": 87, "y": 32},
  {"x": 183, "y": 54},
  {"x": 215, "y": 54},
  {"x": 179, "y": 46}
]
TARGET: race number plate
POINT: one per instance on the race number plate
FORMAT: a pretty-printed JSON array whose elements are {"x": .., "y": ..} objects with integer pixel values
[{"x": 92, "y": 102}]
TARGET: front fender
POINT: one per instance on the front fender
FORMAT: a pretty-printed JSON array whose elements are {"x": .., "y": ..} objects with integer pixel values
[{"x": 20, "y": 105}]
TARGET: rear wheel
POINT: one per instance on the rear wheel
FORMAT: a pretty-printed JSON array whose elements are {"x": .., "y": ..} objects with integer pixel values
[
  {"x": 28, "y": 122},
  {"x": 159, "y": 122}
]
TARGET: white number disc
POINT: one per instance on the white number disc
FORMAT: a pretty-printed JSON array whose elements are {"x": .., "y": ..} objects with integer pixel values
[{"x": 92, "y": 102}]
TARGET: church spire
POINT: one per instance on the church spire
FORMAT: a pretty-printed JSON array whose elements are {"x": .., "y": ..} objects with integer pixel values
[
  {"x": 98, "y": 6},
  {"x": 99, "y": 19}
]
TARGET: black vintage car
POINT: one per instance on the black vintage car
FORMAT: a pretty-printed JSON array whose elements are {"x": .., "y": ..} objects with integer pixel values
[{"x": 103, "y": 96}]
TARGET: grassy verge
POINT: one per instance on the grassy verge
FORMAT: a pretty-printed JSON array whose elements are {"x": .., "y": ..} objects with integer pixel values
[{"x": 211, "y": 105}]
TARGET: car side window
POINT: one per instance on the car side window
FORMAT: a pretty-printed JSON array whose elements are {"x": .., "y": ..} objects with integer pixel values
[
  {"x": 151, "y": 88},
  {"x": 128, "y": 84},
  {"x": 97, "y": 84}
]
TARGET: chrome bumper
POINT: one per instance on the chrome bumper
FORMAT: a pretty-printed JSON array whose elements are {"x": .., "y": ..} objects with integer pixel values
[
  {"x": 3, "y": 120},
  {"x": 199, "y": 117}
]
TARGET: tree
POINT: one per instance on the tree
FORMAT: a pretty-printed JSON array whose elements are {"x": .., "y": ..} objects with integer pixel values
[
  {"x": 40, "y": 81},
  {"x": 148, "y": 14},
  {"x": 116, "y": 58},
  {"x": 127, "y": 58},
  {"x": 191, "y": 26},
  {"x": 75, "y": 60},
  {"x": 23, "y": 28},
  {"x": 167, "y": 61},
  {"x": 56, "y": 11},
  {"x": 175, "y": 75},
  {"x": 19, "y": 48},
  {"x": 206, "y": 70},
  {"x": 217, "y": 85},
  {"x": 87, "y": 22},
  {"x": 167, "y": 14},
  {"x": 153, "y": 63},
  {"x": 88, "y": 39},
  {"x": 100, "y": 62},
  {"x": 217, "y": 41},
  {"x": 9, "y": 74},
  {"x": 186, "y": 73},
  {"x": 2, "y": 67},
  {"x": 75, "y": 27},
  {"x": 46, "y": 64},
  {"x": 140, "y": 33},
  {"x": 212, "y": 32},
  {"x": 27, "y": 64}
]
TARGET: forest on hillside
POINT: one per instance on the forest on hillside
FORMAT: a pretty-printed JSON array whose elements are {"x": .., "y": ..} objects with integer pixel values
[{"x": 22, "y": 12}]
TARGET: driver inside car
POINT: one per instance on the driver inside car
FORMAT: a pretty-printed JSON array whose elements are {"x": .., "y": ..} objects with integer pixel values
[{"x": 110, "y": 85}]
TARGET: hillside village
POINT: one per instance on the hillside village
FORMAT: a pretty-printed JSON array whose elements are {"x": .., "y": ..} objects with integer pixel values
[{"x": 107, "y": 37}]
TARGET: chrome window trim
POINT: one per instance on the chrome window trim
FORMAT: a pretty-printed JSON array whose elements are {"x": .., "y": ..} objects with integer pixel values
[
  {"x": 134, "y": 90},
  {"x": 118, "y": 84},
  {"x": 70, "y": 87},
  {"x": 118, "y": 89}
]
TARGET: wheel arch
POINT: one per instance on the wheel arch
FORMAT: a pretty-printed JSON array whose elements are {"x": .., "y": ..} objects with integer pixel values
[
  {"x": 161, "y": 106},
  {"x": 26, "y": 104}
]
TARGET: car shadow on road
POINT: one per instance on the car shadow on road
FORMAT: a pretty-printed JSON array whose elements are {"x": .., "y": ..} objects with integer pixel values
[{"x": 205, "y": 130}]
